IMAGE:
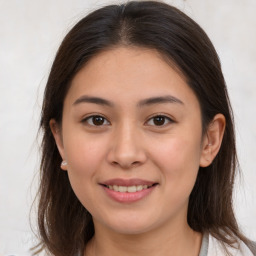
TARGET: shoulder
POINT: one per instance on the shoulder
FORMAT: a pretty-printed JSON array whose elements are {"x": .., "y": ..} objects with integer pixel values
[{"x": 217, "y": 249}]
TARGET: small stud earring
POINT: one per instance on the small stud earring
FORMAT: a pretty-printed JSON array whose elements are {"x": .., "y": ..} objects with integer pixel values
[{"x": 64, "y": 163}]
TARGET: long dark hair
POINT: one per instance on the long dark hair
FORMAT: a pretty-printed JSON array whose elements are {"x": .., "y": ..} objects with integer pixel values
[{"x": 65, "y": 226}]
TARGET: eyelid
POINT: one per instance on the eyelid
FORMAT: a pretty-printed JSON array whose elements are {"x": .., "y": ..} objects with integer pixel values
[
  {"x": 107, "y": 122},
  {"x": 167, "y": 117},
  {"x": 88, "y": 117}
]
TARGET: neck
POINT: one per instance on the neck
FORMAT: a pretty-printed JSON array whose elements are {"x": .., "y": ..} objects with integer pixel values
[{"x": 178, "y": 242}]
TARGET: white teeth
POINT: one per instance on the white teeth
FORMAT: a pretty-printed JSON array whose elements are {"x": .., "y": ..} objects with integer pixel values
[
  {"x": 130, "y": 189},
  {"x": 139, "y": 188},
  {"x": 122, "y": 189}
]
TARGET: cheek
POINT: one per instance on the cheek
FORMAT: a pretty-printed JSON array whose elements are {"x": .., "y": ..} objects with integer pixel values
[
  {"x": 178, "y": 159},
  {"x": 84, "y": 154},
  {"x": 178, "y": 151}
]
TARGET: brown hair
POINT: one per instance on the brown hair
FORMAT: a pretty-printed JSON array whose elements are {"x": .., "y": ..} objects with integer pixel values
[{"x": 65, "y": 225}]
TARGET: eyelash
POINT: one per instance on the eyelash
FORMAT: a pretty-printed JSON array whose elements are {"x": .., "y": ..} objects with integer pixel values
[
  {"x": 89, "y": 120},
  {"x": 167, "y": 120}
]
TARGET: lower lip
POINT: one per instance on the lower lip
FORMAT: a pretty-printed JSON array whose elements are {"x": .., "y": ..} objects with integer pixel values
[{"x": 128, "y": 197}]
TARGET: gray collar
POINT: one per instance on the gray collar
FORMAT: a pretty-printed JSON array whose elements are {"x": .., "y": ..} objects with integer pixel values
[{"x": 205, "y": 245}]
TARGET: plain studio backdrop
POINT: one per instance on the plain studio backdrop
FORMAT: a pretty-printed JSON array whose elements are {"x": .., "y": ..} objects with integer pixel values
[{"x": 30, "y": 33}]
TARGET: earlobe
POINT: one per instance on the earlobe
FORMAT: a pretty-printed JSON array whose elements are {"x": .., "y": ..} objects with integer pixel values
[
  {"x": 212, "y": 140},
  {"x": 56, "y": 132}
]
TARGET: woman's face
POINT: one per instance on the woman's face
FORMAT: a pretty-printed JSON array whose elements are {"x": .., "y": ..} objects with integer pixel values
[{"x": 132, "y": 137}]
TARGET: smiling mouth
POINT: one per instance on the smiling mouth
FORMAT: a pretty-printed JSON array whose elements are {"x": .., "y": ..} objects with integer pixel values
[{"x": 129, "y": 189}]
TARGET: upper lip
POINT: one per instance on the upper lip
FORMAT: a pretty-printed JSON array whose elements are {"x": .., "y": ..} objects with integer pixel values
[{"x": 127, "y": 182}]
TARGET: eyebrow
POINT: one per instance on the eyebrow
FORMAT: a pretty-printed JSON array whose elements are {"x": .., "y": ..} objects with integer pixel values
[
  {"x": 159, "y": 100},
  {"x": 145, "y": 102},
  {"x": 95, "y": 100}
]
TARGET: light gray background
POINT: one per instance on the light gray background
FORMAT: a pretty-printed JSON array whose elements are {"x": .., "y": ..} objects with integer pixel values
[{"x": 31, "y": 31}]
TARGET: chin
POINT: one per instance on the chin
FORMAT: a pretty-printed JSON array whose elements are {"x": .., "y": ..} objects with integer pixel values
[
  {"x": 132, "y": 226},
  {"x": 131, "y": 230}
]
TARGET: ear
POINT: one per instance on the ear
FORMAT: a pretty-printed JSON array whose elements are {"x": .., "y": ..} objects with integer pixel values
[
  {"x": 212, "y": 140},
  {"x": 56, "y": 132}
]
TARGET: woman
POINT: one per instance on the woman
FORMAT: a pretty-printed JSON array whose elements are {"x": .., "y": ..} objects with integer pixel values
[{"x": 137, "y": 115}]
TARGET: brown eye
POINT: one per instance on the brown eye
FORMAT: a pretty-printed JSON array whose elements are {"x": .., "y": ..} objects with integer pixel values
[
  {"x": 159, "y": 120},
  {"x": 96, "y": 121}
]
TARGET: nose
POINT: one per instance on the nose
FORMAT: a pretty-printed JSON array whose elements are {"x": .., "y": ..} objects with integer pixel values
[{"x": 126, "y": 148}]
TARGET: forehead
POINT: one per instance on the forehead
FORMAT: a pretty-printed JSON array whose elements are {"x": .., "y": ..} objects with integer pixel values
[
  {"x": 125, "y": 72},
  {"x": 132, "y": 58}
]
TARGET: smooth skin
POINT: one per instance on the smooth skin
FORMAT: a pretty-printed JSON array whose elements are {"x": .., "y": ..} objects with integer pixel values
[{"x": 129, "y": 114}]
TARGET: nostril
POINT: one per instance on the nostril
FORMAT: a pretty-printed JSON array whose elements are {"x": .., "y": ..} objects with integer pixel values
[{"x": 126, "y": 165}]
